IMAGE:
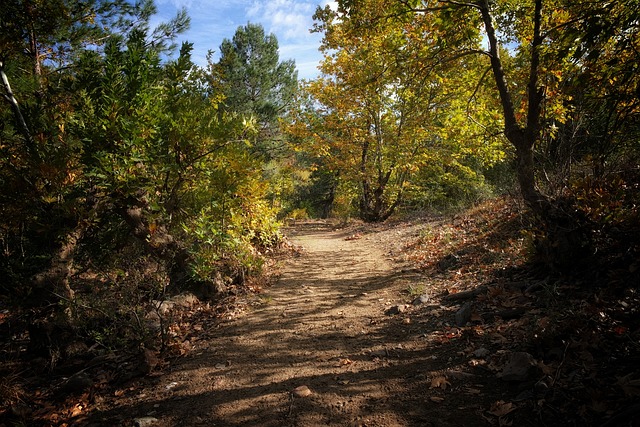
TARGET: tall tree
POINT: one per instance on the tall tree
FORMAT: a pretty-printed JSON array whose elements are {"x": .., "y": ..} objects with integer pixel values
[
  {"x": 533, "y": 50},
  {"x": 386, "y": 108},
  {"x": 255, "y": 82},
  {"x": 553, "y": 40}
]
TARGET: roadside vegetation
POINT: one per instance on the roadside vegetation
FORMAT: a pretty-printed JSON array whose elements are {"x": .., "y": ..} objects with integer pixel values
[{"x": 131, "y": 176}]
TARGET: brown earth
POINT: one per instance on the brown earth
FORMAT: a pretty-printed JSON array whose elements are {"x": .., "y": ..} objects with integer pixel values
[
  {"x": 336, "y": 340},
  {"x": 321, "y": 327}
]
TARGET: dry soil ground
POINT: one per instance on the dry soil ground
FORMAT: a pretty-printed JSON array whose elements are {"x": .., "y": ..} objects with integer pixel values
[
  {"x": 337, "y": 340},
  {"x": 318, "y": 348}
]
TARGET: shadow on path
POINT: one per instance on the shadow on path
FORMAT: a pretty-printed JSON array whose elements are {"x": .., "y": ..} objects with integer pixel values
[{"x": 322, "y": 326}]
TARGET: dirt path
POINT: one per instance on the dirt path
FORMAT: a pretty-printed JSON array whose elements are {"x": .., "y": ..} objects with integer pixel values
[
  {"x": 322, "y": 326},
  {"x": 492, "y": 345}
]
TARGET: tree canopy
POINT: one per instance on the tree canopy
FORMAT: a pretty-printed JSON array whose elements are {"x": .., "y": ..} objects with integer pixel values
[
  {"x": 462, "y": 74},
  {"x": 254, "y": 82}
]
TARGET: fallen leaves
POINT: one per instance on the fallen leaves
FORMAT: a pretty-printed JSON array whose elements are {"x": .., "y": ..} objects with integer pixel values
[
  {"x": 344, "y": 362},
  {"x": 630, "y": 386},
  {"x": 501, "y": 408},
  {"x": 440, "y": 382},
  {"x": 77, "y": 410}
]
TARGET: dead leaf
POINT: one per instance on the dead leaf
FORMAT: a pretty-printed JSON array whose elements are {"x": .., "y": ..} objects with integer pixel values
[
  {"x": 620, "y": 330},
  {"x": 77, "y": 410},
  {"x": 546, "y": 369},
  {"x": 630, "y": 386},
  {"x": 498, "y": 339},
  {"x": 544, "y": 322},
  {"x": 436, "y": 399},
  {"x": 440, "y": 382},
  {"x": 472, "y": 390},
  {"x": 501, "y": 408},
  {"x": 475, "y": 317},
  {"x": 495, "y": 291},
  {"x": 477, "y": 362},
  {"x": 344, "y": 362},
  {"x": 599, "y": 406}
]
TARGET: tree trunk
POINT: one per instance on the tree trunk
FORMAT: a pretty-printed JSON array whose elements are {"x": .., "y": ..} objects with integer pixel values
[
  {"x": 50, "y": 327},
  {"x": 55, "y": 280},
  {"x": 565, "y": 240},
  {"x": 158, "y": 242},
  {"x": 523, "y": 139}
]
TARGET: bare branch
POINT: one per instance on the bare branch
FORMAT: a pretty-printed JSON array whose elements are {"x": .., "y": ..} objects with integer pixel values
[
  {"x": 22, "y": 124},
  {"x": 477, "y": 88}
]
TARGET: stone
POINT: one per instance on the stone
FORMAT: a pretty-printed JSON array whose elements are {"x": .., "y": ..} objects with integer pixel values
[
  {"x": 463, "y": 315},
  {"x": 520, "y": 367},
  {"x": 302, "y": 391},
  {"x": 422, "y": 299},
  {"x": 145, "y": 421},
  {"x": 186, "y": 300},
  {"x": 77, "y": 384},
  {"x": 396, "y": 309}
]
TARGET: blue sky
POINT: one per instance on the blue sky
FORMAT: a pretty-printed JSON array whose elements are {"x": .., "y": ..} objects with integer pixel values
[{"x": 214, "y": 20}]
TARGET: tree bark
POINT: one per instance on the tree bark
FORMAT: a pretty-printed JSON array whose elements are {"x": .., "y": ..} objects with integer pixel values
[
  {"x": 566, "y": 239},
  {"x": 157, "y": 242},
  {"x": 56, "y": 278},
  {"x": 522, "y": 138}
]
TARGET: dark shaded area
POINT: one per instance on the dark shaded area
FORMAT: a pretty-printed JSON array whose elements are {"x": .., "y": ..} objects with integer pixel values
[{"x": 582, "y": 331}]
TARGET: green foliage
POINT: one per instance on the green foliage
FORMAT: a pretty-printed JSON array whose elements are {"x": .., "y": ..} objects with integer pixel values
[
  {"x": 416, "y": 290},
  {"x": 125, "y": 156},
  {"x": 161, "y": 140},
  {"x": 255, "y": 83},
  {"x": 391, "y": 115}
]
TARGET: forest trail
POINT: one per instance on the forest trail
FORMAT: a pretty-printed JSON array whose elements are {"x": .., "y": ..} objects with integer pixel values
[
  {"x": 318, "y": 350},
  {"x": 341, "y": 339}
]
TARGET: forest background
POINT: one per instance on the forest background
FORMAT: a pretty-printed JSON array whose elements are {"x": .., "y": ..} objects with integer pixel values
[{"x": 128, "y": 173}]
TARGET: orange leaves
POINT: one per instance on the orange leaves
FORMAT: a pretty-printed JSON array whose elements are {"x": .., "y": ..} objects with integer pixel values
[
  {"x": 440, "y": 382},
  {"x": 344, "y": 363}
]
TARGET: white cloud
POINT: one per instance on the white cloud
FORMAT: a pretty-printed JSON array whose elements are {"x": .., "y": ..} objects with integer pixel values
[
  {"x": 178, "y": 4},
  {"x": 333, "y": 4},
  {"x": 214, "y": 20},
  {"x": 289, "y": 18}
]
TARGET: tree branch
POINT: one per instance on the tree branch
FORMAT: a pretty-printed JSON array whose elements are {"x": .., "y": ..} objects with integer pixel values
[
  {"x": 17, "y": 113},
  {"x": 535, "y": 94},
  {"x": 510, "y": 122}
]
